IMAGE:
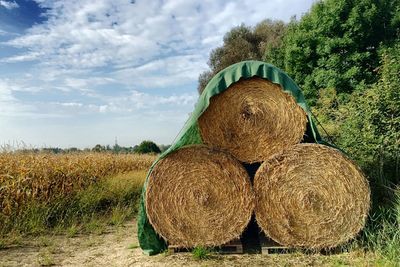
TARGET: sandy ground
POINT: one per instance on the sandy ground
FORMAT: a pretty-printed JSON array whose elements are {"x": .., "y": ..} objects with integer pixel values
[{"x": 119, "y": 247}]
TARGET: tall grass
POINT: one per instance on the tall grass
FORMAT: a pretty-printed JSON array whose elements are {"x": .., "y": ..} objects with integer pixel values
[
  {"x": 111, "y": 200},
  {"x": 382, "y": 233},
  {"x": 28, "y": 177}
]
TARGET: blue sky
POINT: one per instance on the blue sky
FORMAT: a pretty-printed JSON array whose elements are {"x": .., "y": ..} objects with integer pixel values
[{"x": 79, "y": 72}]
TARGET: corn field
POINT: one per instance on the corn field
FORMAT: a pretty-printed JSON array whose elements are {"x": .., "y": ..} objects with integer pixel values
[{"x": 42, "y": 177}]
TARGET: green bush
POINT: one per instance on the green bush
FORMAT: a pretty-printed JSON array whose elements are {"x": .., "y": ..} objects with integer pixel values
[
  {"x": 367, "y": 125},
  {"x": 147, "y": 147}
]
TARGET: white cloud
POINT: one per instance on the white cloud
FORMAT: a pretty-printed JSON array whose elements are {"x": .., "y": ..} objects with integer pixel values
[
  {"x": 166, "y": 72},
  {"x": 133, "y": 102},
  {"x": 5, "y": 92},
  {"x": 115, "y": 33},
  {"x": 30, "y": 56},
  {"x": 70, "y": 104},
  {"x": 7, "y": 33},
  {"x": 9, "y": 104},
  {"x": 84, "y": 84},
  {"x": 8, "y": 4}
]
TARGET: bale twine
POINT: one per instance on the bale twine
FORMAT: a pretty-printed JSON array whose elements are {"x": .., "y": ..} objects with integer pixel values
[
  {"x": 253, "y": 119},
  {"x": 198, "y": 196},
  {"x": 311, "y": 196}
]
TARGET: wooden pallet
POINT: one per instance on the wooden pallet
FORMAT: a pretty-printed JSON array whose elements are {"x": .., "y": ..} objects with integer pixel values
[
  {"x": 233, "y": 247},
  {"x": 175, "y": 249},
  {"x": 269, "y": 246}
]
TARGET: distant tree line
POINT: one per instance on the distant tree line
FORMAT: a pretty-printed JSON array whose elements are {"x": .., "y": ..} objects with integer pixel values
[
  {"x": 144, "y": 147},
  {"x": 345, "y": 56}
]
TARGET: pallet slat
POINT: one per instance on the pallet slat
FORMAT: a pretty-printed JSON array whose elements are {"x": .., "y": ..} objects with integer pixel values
[{"x": 269, "y": 246}]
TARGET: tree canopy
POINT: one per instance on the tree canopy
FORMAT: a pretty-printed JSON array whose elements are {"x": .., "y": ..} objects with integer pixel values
[
  {"x": 243, "y": 43},
  {"x": 336, "y": 44},
  {"x": 147, "y": 147}
]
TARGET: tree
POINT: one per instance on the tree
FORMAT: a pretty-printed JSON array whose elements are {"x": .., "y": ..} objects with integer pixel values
[
  {"x": 98, "y": 148},
  {"x": 243, "y": 43},
  {"x": 147, "y": 147},
  {"x": 336, "y": 44}
]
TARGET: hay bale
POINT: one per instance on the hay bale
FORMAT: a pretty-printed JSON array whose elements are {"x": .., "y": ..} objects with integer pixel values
[
  {"x": 199, "y": 196},
  {"x": 253, "y": 120},
  {"x": 311, "y": 196}
]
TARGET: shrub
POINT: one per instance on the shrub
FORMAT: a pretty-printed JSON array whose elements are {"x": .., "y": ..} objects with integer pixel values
[{"x": 147, "y": 147}]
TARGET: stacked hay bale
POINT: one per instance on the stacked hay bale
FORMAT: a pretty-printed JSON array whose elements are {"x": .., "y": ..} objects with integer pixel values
[
  {"x": 305, "y": 195},
  {"x": 199, "y": 196},
  {"x": 311, "y": 196}
]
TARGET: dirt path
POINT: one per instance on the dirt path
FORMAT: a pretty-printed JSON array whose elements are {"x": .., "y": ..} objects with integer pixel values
[{"x": 119, "y": 247}]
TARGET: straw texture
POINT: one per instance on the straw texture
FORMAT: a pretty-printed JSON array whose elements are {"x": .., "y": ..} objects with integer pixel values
[
  {"x": 253, "y": 119},
  {"x": 311, "y": 196},
  {"x": 198, "y": 196}
]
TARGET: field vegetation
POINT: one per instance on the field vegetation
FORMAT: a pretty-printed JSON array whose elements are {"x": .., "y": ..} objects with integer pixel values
[{"x": 42, "y": 191}]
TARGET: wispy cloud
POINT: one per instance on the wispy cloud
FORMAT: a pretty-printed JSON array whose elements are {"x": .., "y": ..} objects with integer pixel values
[
  {"x": 9, "y": 104},
  {"x": 8, "y": 4},
  {"x": 165, "y": 72},
  {"x": 131, "y": 102},
  {"x": 30, "y": 56}
]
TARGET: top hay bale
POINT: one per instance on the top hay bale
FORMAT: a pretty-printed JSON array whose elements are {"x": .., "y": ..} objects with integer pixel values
[{"x": 253, "y": 120}]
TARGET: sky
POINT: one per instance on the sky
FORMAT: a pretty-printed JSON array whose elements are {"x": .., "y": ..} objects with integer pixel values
[{"x": 76, "y": 73}]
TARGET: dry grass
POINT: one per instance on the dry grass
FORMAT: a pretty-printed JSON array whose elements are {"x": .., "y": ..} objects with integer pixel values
[
  {"x": 26, "y": 177},
  {"x": 253, "y": 120},
  {"x": 198, "y": 196},
  {"x": 110, "y": 201}
]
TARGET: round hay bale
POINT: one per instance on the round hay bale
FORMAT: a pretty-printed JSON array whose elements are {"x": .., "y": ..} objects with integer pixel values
[
  {"x": 198, "y": 196},
  {"x": 311, "y": 196},
  {"x": 253, "y": 119}
]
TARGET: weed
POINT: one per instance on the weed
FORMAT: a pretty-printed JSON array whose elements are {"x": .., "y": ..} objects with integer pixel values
[
  {"x": 201, "y": 253},
  {"x": 45, "y": 259},
  {"x": 3, "y": 244},
  {"x": 72, "y": 231},
  {"x": 45, "y": 241},
  {"x": 119, "y": 215},
  {"x": 336, "y": 261},
  {"x": 96, "y": 226}
]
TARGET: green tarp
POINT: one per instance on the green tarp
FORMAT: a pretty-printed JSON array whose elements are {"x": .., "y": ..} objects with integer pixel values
[{"x": 149, "y": 241}]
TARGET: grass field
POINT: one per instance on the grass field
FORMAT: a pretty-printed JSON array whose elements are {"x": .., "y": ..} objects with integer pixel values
[
  {"x": 49, "y": 191},
  {"x": 90, "y": 193}
]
